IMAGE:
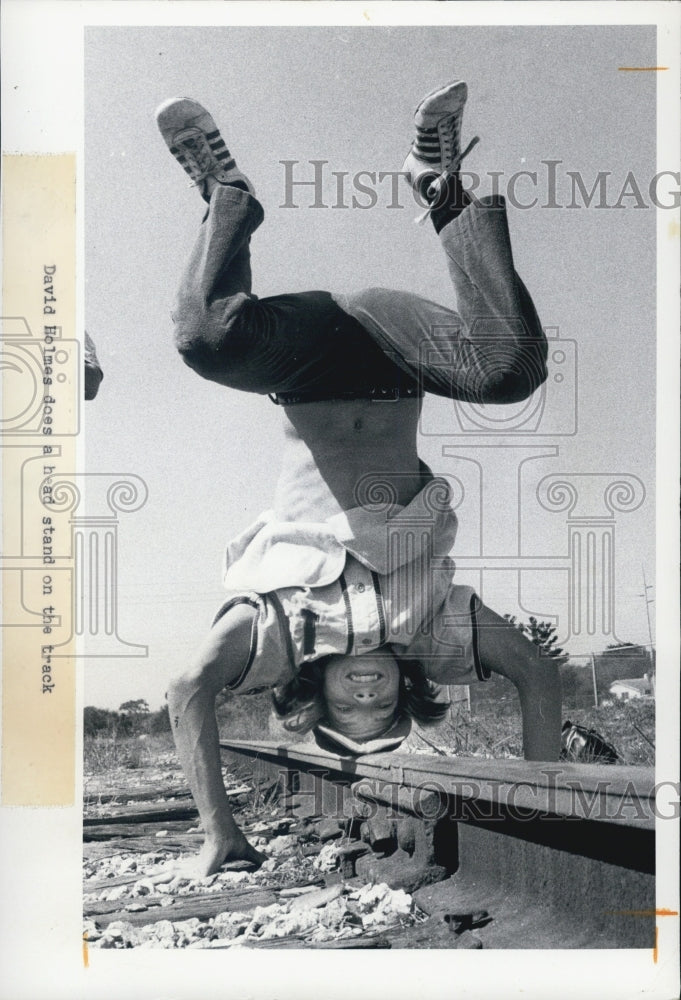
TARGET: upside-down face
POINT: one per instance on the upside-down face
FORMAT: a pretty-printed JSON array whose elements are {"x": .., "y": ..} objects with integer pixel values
[{"x": 361, "y": 694}]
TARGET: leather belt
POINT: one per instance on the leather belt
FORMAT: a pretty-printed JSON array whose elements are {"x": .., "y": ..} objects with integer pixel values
[{"x": 376, "y": 394}]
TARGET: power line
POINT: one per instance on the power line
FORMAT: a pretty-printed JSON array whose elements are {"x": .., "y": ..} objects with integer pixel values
[{"x": 648, "y": 602}]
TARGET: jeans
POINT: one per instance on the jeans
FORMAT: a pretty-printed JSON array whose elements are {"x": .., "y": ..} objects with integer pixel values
[{"x": 492, "y": 350}]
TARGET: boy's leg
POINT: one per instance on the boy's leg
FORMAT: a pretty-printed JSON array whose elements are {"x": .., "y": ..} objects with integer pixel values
[
  {"x": 219, "y": 265},
  {"x": 216, "y": 281},
  {"x": 301, "y": 342},
  {"x": 493, "y": 348},
  {"x": 191, "y": 704}
]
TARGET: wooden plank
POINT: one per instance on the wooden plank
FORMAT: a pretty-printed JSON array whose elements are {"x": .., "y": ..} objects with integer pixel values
[
  {"x": 143, "y": 816},
  {"x": 108, "y": 831},
  {"x": 203, "y": 906},
  {"x": 301, "y": 941},
  {"x": 140, "y": 813},
  {"x": 361, "y": 941},
  {"x": 124, "y": 795},
  {"x": 142, "y": 845},
  {"x": 290, "y": 941},
  {"x": 97, "y": 885}
]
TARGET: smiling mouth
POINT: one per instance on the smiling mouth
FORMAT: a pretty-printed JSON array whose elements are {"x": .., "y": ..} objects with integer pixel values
[{"x": 366, "y": 677}]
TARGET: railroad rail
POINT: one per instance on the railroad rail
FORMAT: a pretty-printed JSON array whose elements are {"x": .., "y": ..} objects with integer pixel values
[{"x": 554, "y": 855}]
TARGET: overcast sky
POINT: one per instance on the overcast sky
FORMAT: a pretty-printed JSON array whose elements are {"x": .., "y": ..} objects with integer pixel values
[{"x": 346, "y": 95}]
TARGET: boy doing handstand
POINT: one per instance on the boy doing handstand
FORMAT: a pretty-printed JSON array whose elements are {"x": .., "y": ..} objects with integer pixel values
[{"x": 339, "y": 599}]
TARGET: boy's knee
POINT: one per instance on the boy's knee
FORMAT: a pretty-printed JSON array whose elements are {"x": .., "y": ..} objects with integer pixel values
[
  {"x": 368, "y": 300},
  {"x": 189, "y": 320},
  {"x": 505, "y": 374},
  {"x": 193, "y": 331},
  {"x": 192, "y": 348},
  {"x": 211, "y": 339},
  {"x": 511, "y": 386}
]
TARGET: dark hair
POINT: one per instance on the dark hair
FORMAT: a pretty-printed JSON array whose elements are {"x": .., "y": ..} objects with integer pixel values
[{"x": 301, "y": 706}]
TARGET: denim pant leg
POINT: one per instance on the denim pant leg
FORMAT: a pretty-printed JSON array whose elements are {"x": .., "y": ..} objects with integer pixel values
[
  {"x": 216, "y": 283},
  {"x": 493, "y": 349},
  {"x": 302, "y": 342}
]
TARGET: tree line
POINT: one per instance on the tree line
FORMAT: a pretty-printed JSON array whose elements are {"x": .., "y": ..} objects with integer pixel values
[{"x": 133, "y": 718}]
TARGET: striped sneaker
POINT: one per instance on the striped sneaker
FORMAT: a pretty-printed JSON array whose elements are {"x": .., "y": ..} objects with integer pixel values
[
  {"x": 436, "y": 151},
  {"x": 195, "y": 141}
]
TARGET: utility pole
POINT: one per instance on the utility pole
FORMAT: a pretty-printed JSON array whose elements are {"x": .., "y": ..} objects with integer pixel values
[
  {"x": 649, "y": 601},
  {"x": 459, "y": 695},
  {"x": 593, "y": 676}
]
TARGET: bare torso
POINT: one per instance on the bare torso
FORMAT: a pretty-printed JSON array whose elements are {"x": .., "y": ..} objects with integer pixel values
[{"x": 331, "y": 447}]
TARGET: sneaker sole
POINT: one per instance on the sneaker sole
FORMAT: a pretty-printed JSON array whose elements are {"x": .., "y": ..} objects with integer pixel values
[
  {"x": 180, "y": 118},
  {"x": 181, "y": 113},
  {"x": 443, "y": 97}
]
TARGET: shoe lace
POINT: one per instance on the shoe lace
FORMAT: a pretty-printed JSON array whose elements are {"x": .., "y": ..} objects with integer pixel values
[
  {"x": 199, "y": 157},
  {"x": 451, "y": 168},
  {"x": 453, "y": 162}
]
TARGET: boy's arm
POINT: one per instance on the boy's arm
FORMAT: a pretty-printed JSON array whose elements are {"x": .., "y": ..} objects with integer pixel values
[
  {"x": 540, "y": 704},
  {"x": 506, "y": 651},
  {"x": 539, "y": 689}
]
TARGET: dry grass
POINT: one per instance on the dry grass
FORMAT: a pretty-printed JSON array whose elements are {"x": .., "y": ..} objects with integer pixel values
[
  {"x": 111, "y": 752},
  {"x": 465, "y": 734},
  {"x": 493, "y": 729},
  {"x": 629, "y": 726}
]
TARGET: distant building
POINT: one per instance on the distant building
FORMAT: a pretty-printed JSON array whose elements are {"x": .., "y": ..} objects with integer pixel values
[
  {"x": 622, "y": 663},
  {"x": 637, "y": 687}
]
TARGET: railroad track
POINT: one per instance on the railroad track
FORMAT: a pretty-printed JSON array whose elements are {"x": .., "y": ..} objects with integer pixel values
[{"x": 532, "y": 855}]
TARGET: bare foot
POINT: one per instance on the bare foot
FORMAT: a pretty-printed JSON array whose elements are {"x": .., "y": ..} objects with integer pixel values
[{"x": 215, "y": 852}]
